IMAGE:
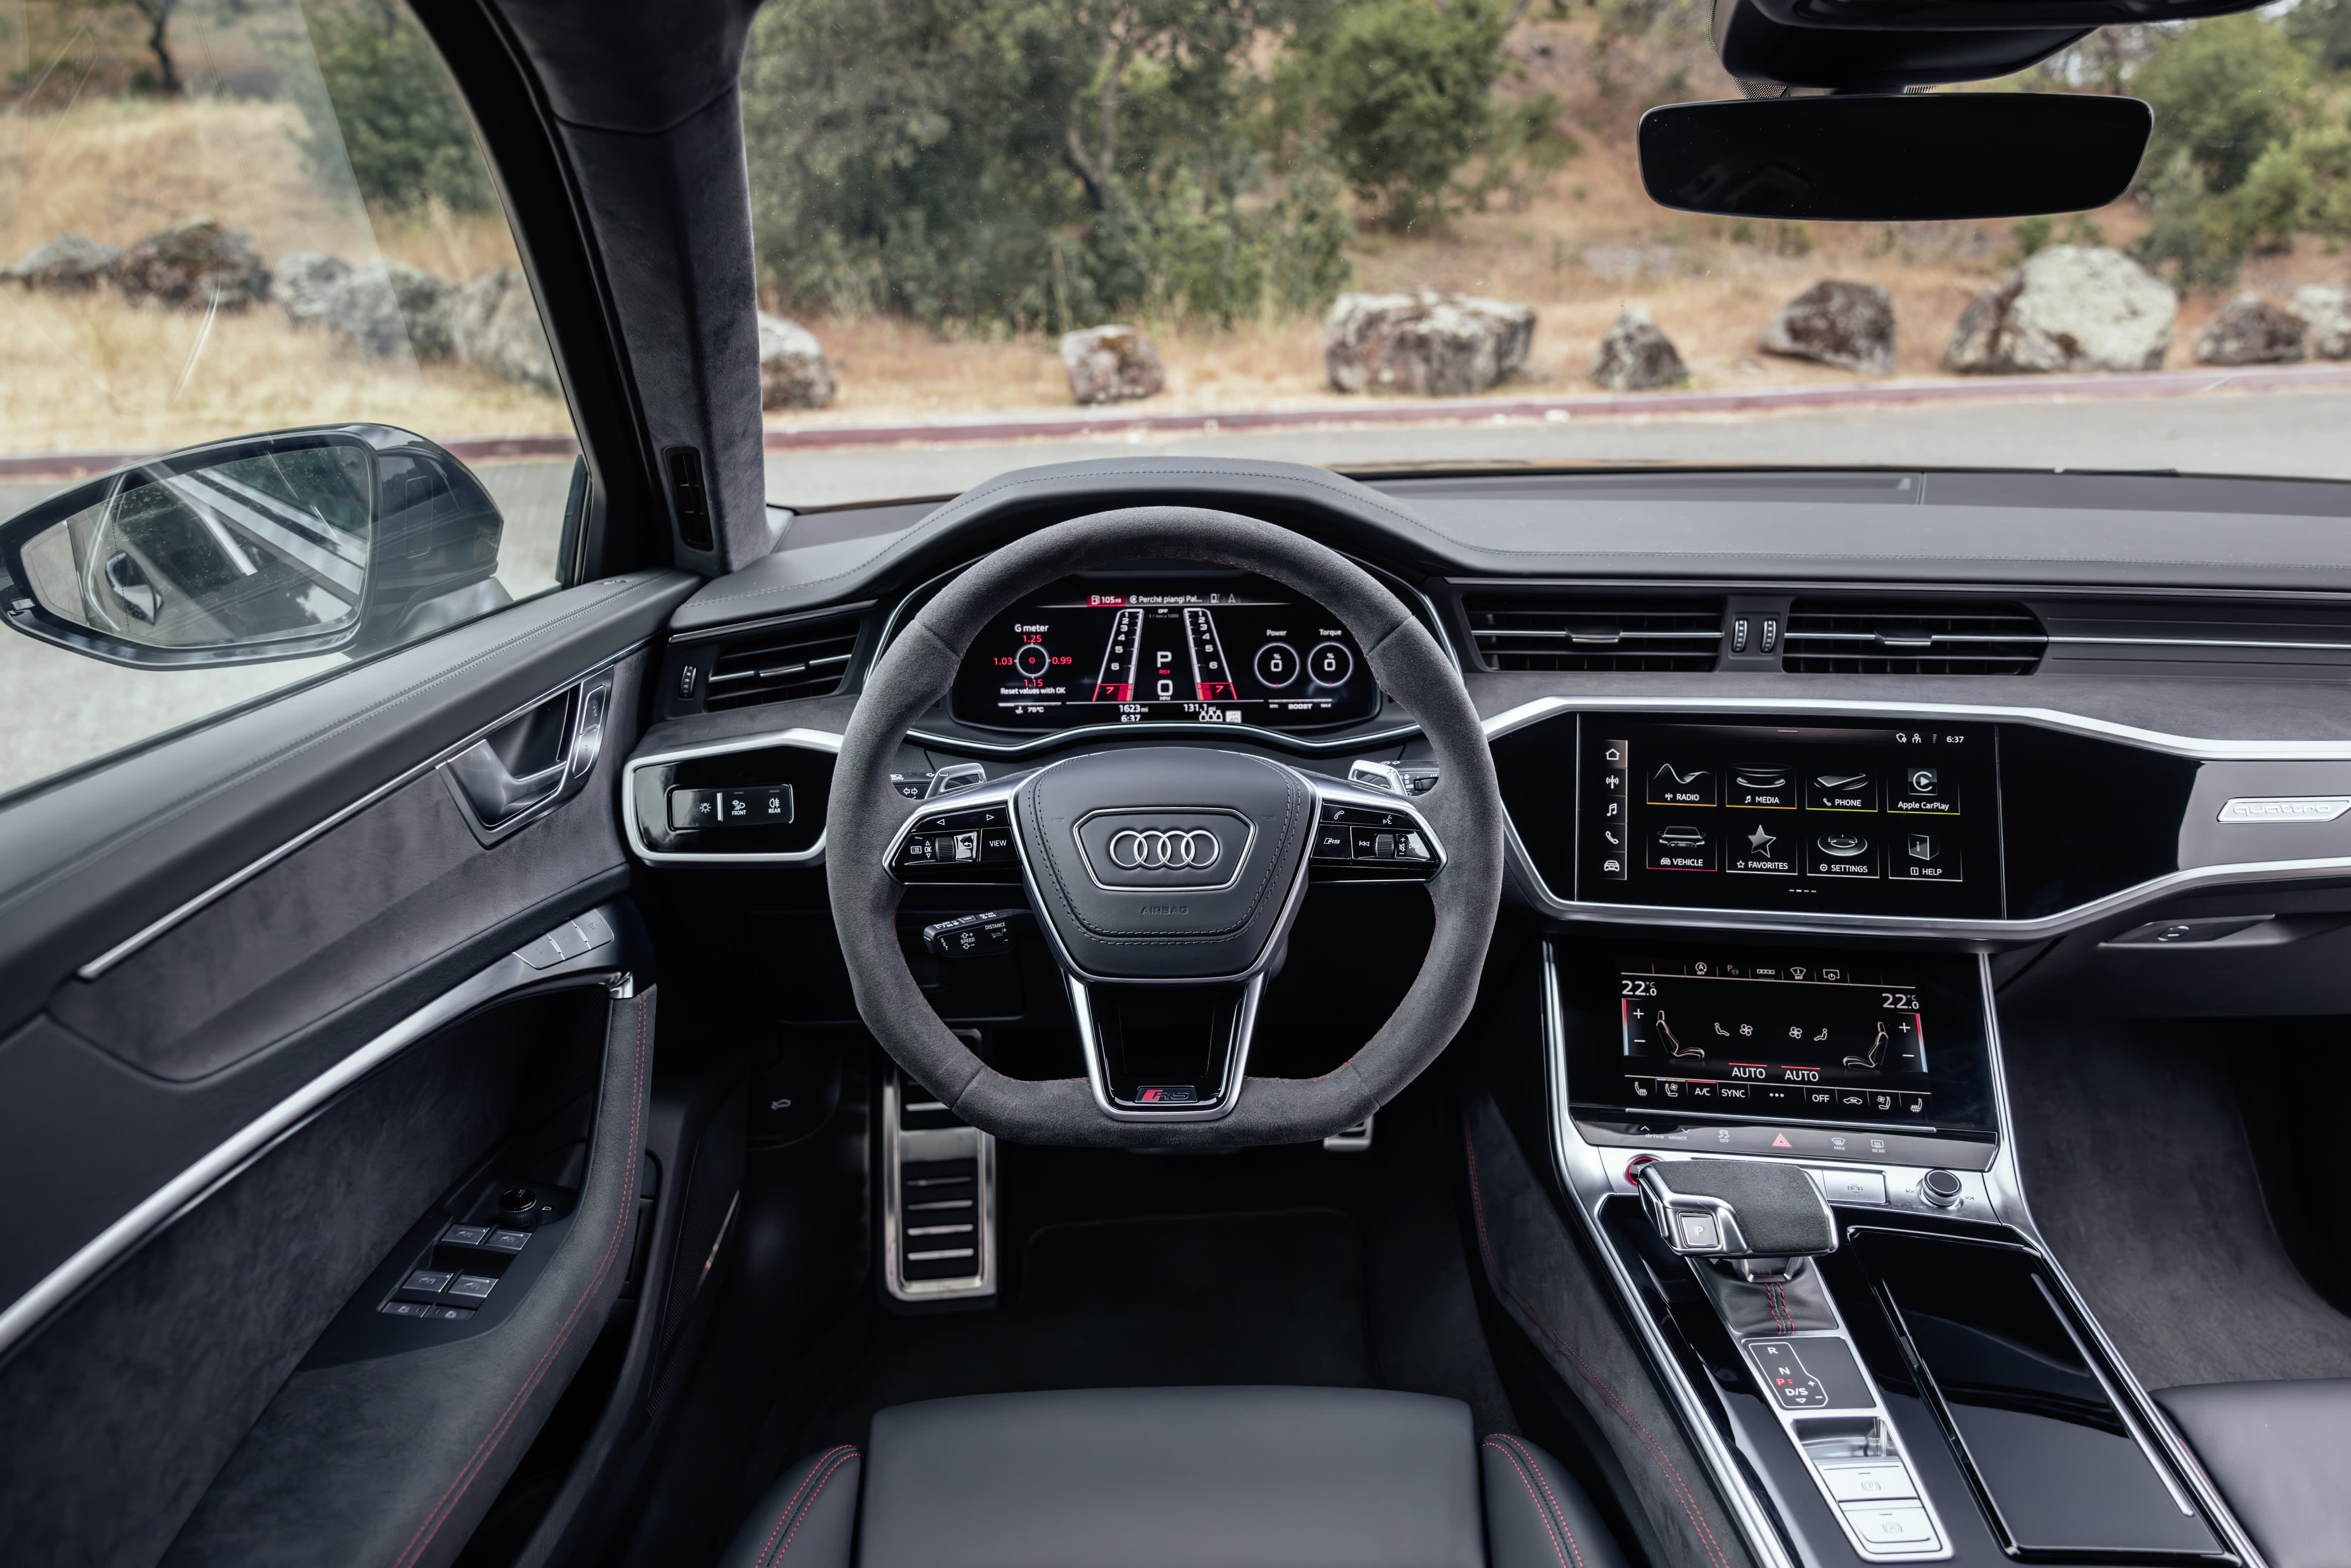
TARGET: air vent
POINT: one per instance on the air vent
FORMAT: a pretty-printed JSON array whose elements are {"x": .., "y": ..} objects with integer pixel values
[
  {"x": 805, "y": 659},
  {"x": 1536, "y": 630},
  {"x": 2176, "y": 638},
  {"x": 1910, "y": 637}
]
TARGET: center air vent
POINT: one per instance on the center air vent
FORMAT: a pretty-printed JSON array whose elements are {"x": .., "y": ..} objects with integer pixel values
[
  {"x": 1538, "y": 630},
  {"x": 805, "y": 659},
  {"x": 1910, "y": 637}
]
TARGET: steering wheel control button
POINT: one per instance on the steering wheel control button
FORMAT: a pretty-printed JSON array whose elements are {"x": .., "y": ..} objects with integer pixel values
[
  {"x": 1844, "y": 853},
  {"x": 1926, "y": 857},
  {"x": 1332, "y": 842}
]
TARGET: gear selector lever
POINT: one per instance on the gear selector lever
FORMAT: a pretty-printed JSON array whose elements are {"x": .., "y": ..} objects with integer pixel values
[{"x": 1761, "y": 1219}]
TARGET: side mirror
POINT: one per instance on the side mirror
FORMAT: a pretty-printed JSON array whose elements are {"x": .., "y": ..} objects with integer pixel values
[{"x": 344, "y": 538}]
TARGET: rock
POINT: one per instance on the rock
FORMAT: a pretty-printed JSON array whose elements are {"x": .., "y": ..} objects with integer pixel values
[
  {"x": 191, "y": 265},
  {"x": 1110, "y": 364},
  {"x": 1848, "y": 325},
  {"x": 1423, "y": 343},
  {"x": 2069, "y": 307},
  {"x": 303, "y": 282},
  {"x": 67, "y": 262},
  {"x": 494, "y": 323},
  {"x": 793, "y": 371},
  {"x": 2327, "y": 307},
  {"x": 387, "y": 306},
  {"x": 1636, "y": 355},
  {"x": 2250, "y": 330}
]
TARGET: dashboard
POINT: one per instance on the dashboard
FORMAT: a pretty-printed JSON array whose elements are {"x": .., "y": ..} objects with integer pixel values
[{"x": 1134, "y": 648}]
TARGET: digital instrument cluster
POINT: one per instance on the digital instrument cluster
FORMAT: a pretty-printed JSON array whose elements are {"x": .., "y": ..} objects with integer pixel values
[
  {"x": 1227, "y": 650},
  {"x": 1877, "y": 818}
]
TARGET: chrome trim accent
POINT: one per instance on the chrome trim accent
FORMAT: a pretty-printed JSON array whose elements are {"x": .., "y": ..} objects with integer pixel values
[
  {"x": 207, "y": 1176},
  {"x": 1577, "y": 1164},
  {"x": 1228, "y": 1088},
  {"x": 2200, "y": 643},
  {"x": 1800, "y": 922},
  {"x": 2202, "y": 750},
  {"x": 2005, "y": 1180},
  {"x": 2285, "y": 808},
  {"x": 1240, "y": 861},
  {"x": 805, "y": 739},
  {"x": 230, "y": 884},
  {"x": 1998, "y": 1193},
  {"x": 935, "y": 1144}
]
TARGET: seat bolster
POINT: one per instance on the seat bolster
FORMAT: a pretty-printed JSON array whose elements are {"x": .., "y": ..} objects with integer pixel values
[
  {"x": 1536, "y": 1516},
  {"x": 808, "y": 1520},
  {"x": 2279, "y": 1452}
]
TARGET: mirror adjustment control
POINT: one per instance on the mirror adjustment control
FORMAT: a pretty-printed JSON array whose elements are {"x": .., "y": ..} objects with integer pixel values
[{"x": 520, "y": 1208}]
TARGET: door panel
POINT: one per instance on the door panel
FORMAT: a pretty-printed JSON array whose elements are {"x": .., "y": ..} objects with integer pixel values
[
  {"x": 213, "y": 1138},
  {"x": 93, "y": 858},
  {"x": 121, "y": 1412}
]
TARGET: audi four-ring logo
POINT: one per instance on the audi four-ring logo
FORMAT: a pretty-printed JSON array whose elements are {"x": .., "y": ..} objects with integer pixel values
[{"x": 1155, "y": 850}]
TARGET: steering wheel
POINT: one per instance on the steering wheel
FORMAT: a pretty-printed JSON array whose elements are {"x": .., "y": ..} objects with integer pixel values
[{"x": 1166, "y": 878}]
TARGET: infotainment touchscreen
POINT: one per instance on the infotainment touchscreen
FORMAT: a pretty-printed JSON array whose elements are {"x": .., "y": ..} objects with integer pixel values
[
  {"x": 1709, "y": 1035},
  {"x": 1875, "y": 819},
  {"x": 1230, "y": 649}
]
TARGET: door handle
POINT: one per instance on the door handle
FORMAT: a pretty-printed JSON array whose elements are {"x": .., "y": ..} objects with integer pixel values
[{"x": 493, "y": 791}]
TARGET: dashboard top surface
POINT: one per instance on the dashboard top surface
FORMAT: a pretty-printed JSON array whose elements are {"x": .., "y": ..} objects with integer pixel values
[{"x": 1951, "y": 528}]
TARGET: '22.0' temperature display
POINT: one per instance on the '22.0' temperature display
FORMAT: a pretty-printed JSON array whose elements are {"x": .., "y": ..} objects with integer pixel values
[{"x": 1237, "y": 650}]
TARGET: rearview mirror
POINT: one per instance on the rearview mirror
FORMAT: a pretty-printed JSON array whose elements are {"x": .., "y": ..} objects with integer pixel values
[
  {"x": 271, "y": 547},
  {"x": 1893, "y": 157}
]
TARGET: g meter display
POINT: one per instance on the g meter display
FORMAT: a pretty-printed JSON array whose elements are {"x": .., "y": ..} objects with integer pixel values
[{"x": 1237, "y": 650}]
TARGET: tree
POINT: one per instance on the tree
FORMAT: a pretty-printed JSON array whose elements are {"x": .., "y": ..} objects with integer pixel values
[
  {"x": 390, "y": 108},
  {"x": 1403, "y": 90},
  {"x": 1028, "y": 163},
  {"x": 157, "y": 14},
  {"x": 2227, "y": 94}
]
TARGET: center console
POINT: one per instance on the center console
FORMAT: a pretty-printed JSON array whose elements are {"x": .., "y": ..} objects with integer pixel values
[{"x": 1794, "y": 1165}]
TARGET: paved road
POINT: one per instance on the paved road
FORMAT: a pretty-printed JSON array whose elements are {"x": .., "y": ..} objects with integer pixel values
[
  {"x": 63, "y": 709},
  {"x": 2306, "y": 433}
]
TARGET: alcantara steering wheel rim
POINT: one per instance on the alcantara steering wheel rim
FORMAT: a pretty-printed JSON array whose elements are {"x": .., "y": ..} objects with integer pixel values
[{"x": 867, "y": 817}]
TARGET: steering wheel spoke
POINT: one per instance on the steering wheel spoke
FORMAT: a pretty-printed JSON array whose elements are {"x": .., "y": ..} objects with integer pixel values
[{"x": 1164, "y": 878}]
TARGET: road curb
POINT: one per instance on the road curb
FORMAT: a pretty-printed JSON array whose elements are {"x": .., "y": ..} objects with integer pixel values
[{"x": 1079, "y": 425}]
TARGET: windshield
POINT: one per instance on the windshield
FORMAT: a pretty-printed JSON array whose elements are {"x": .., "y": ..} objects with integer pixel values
[{"x": 1357, "y": 233}]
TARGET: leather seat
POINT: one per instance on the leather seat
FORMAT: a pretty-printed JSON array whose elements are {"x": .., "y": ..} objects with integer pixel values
[
  {"x": 1177, "y": 1478},
  {"x": 2280, "y": 1453}
]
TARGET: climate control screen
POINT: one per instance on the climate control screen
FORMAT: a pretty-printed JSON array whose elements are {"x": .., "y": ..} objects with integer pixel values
[
  {"x": 1232, "y": 649},
  {"x": 1834, "y": 818}
]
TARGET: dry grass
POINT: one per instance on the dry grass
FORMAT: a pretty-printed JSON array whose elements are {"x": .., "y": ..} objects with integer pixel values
[{"x": 93, "y": 371}]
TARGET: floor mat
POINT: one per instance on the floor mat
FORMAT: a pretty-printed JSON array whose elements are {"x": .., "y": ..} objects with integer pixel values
[
  {"x": 2139, "y": 1175},
  {"x": 1214, "y": 1298}
]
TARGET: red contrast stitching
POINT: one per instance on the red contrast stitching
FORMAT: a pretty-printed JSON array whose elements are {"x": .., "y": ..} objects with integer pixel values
[
  {"x": 803, "y": 1519},
  {"x": 794, "y": 1501},
  {"x": 1558, "y": 1513},
  {"x": 1548, "y": 1528},
  {"x": 1617, "y": 1406},
  {"x": 464, "y": 1479}
]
